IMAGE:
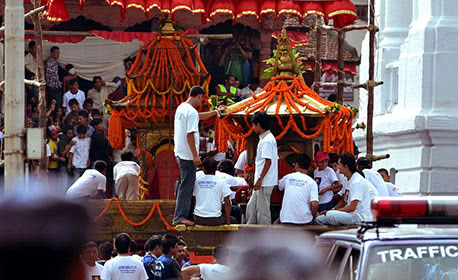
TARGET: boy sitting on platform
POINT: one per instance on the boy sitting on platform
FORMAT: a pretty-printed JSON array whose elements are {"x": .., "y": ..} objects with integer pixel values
[{"x": 209, "y": 191}]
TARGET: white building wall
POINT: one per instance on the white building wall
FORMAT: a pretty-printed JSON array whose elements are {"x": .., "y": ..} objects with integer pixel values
[{"x": 416, "y": 109}]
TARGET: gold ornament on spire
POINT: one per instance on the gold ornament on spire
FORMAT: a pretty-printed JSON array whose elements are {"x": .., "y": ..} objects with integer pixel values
[{"x": 285, "y": 63}]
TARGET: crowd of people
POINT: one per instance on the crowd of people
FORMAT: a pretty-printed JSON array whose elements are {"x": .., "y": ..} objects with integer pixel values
[
  {"x": 331, "y": 190},
  {"x": 163, "y": 257}
]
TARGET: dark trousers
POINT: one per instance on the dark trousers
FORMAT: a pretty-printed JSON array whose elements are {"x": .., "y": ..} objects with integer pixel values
[
  {"x": 213, "y": 221},
  {"x": 326, "y": 206},
  {"x": 54, "y": 93},
  {"x": 184, "y": 189}
]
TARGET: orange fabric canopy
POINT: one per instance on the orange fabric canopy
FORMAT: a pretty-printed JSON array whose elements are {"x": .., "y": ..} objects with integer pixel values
[{"x": 342, "y": 12}]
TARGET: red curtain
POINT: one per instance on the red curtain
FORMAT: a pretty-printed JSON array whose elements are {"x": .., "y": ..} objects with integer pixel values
[{"x": 342, "y": 12}]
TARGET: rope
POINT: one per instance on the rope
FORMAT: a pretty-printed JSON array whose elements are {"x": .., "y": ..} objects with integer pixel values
[{"x": 123, "y": 214}]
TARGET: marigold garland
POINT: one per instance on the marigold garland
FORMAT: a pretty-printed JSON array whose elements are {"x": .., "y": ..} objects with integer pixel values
[{"x": 335, "y": 127}]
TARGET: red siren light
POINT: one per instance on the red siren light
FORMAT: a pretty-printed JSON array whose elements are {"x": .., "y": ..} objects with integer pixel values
[{"x": 424, "y": 210}]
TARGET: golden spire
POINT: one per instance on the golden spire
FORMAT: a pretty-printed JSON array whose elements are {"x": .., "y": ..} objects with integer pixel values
[
  {"x": 285, "y": 62},
  {"x": 168, "y": 29}
]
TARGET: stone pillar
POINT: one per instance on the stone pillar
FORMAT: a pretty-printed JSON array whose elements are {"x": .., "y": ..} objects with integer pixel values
[{"x": 421, "y": 132}]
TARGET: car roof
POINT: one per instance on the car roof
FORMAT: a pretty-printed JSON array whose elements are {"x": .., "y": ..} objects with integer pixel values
[{"x": 404, "y": 232}]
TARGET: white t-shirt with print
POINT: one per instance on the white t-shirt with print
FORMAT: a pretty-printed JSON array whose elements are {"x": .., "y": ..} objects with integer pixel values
[
  {"x": 325, "y": 178},
  {"x": 186, "y": 121},
  {"x": 80, "y": 152},
  {"x": 241, "y": 161},
  {"x": 123, "y": 268},
  {"x": 213, "y": 271},
  {"x": 376, "y": 179},
  {"x": 93, "y": 271},
  {"x": 267, "y": 149},
  {"x": 87, "y": 185},
  {"x": 300, "y": 190},
  {"x": 362, "y": 190},
  {"x": 209, "y": 191},
  {"x": 392, "y": 189}
]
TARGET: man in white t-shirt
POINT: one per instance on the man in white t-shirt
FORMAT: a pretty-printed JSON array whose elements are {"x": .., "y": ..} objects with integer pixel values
[
  {"x": 186, "y": 140},
  {"x": 123, "y": 267},
  {"x": 242, "y": 161},
  {"x": 356, "y": 205},
  {"x": 209, "y": 191},
  {"x": 327, "y": 181},
  {"x": 392, "y": 189},
  {"x": 91, "y": 184},
  {"x": 125, "y": 174},
  {"x": 266, "y": 172},
  {"x": 215, "y": 271},
  {"x": 364, "y": 165},
  {"x": 89, "y": 257},
  {"x": 75, "y": 93},
  {"x": 300, "y": 201}
]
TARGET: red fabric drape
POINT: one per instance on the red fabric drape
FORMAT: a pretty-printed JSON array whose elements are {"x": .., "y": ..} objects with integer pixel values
[
  {"x": 343, "y": 12},
  {"x": 349, "y": 68},
  {"x": 296, "y": 38}
]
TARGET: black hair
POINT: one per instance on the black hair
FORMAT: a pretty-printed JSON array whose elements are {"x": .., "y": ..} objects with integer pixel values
[
  {"x": 348, "y": 160},
  {"x": 228, "y": 76},
  {"x": 210, "y": 165},
  {"x": 105, "y": 250},
  {"x": 226, "y": 166},
  {"x": 54, "y": 48},
  {"x": 383, "y": 170},
  {"x": 168, "y": 242},
  {"x": 255, "y": 81},
  {"x": 127, "y": 156},
  {"x": 73, "y": 101},
  {"x": 84, "y": 114},
  {"x": 303, "y": 161},
  {"x": 88, "y": 101},
  {"x": 181, "y": 242},
  {"x": 81, "y": 129},
  {"x": 96, "y": 78},
  {"x": 95, "y": 112},
  {"x": 262, "y": 118},
  {"x": 29, "y": 75},
  {"x": 100, "y": 165},
  {"x": 68, "y": 67},
  {"x": 32, "y": 44},
  {"x": 196, "y": 90},
  {"x": 73, "y": 81},
  {"x": 332, "y": 97},
  {"x": 96, "y": 122},
  {"x": 152, "y": 243},
  {"x": 333, "y": 157},
  {"x": 122, "y": 243},
  {"x": 363, "y": 163},
  {"x": 133, "y": 246},
  {"x": 90, "y": 244},
  {"x": 67, "y": 128}
]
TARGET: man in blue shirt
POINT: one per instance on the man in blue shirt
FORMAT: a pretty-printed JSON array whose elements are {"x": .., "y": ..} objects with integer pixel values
[
  {"x": 153, "y": 252},
  {"x": 166, "y": 267}
]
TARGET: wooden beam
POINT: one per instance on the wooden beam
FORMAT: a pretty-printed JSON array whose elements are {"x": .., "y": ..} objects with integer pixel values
[
  {"x": 42, "y": 108},
  {"x": 88, "y": 34},
  {"x": 340, "y": 66},
  {"x": 316, "y": 86},
  {"x": 370, "y": 91},
  {"x": 29, "y": 14},
  {"x": 365, "y": 85},
  {"x": 368, "y": 27}
]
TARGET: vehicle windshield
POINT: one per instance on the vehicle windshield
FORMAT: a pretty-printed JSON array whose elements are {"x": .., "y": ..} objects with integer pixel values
[{"x": 418, "y": 262}]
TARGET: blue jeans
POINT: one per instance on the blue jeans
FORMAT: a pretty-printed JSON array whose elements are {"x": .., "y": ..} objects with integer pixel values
[{"x": 184, "y": 189}]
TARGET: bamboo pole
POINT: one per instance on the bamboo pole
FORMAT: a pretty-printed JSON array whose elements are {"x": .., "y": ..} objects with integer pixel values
[
  {"x": 14, "y": 97},
  {"x": 29, "y": 14},
  {"x": 365, "y": 85},
  {"x": 370, "y": 92},
  {"x": 340, "y": 66},
  {"x": 316, "y": 86},
  {"x": 352, "y": 28},
  {"x": 42, "y": 109}
]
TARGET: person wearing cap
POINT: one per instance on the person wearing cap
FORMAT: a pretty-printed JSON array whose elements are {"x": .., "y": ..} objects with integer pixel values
[
  {"x": 100, "y": 92},
  {"x": 355, "y": 207},
  {"x": 327, "y": 181}
]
